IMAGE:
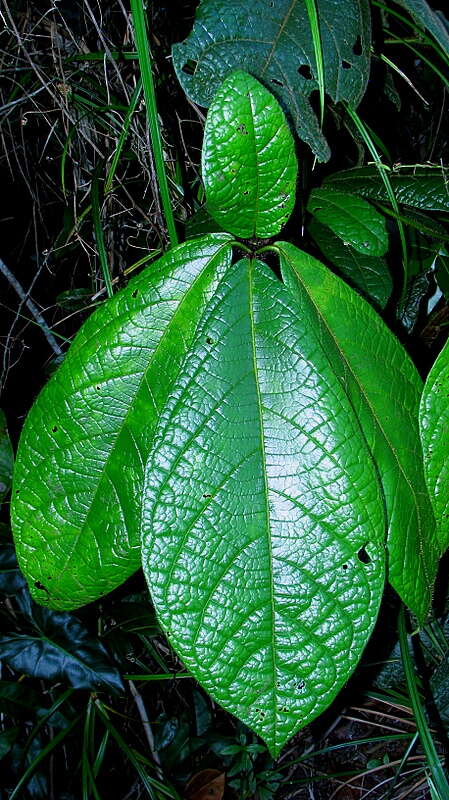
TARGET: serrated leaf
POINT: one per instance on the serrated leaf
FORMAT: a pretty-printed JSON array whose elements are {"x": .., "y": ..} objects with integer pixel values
[
  {"x": 425, "y": 188},
  {"x": 434, "y": 426},
  {"x": 260, "y": 502},
  {"x": 352, "y": 219},
  {"x": 249, "y": 164},
  {"x": 79, "y": 470},
  {"x": 384, "y": 388},
  {"x": 60, "y": 648},
  {"x": 273, "y": 41},
  {"x": 6, "y": 458},
  {"x": 370, "y": 274}
]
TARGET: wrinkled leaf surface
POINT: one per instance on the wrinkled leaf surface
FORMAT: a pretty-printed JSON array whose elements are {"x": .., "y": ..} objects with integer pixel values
[
  {"x": 273, "y": 41},
  {"x": 79, "y": 471},
  {"x": 263, "y": 522},
  {"x": 370, "y": 274},
  {"x": 350, "y": 218},
  {"x": 425, "y": 188},
  {"x": 434, "y": 425},
  {"x": 384, "y": 388},
  {"x": 249, "y": 164}
]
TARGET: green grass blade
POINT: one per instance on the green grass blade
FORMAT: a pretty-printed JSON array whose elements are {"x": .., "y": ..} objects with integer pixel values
[
  {"x": 98, "y": 230},
  {"x": 40, "y": 757},
  {"x": 123, "y": 136},
  {"x": 382, "y": 169},
  {"x": 312, "y": 13},
  {"x": 146, "y": 69},
  {"x": 438, "y": 776}
]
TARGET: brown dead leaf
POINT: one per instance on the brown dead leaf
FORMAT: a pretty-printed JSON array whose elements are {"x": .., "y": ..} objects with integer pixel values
[{"x": 209, "y": 784}]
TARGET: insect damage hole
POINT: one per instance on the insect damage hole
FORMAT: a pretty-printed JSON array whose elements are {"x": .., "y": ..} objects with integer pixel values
[
  {"x": 363, "y": 556},
  {"x": 305, "y": 71},
  {"x": 276, "y": 82},
  {"x": 346, "y": 65},
  {"x": 357, "y": 47},
  {"x": 190, "y": 66}
]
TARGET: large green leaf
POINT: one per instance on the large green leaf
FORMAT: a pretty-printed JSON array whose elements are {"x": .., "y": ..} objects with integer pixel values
[
  {"x": 434, "y": 424},
  {"x": 384, "y": 388},
  {"x": 370, "y": 274},
  {"x": 425, "y": 188},
  {"x": 352, "y": 219},
  {"x": 273, "y": 41},
  {"x": 249, "y": 162},
  {"x": 79, "y": 471},
  {"x": 263, "y": 522}
]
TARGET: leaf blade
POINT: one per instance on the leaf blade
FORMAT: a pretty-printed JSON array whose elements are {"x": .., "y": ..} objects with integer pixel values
[
  {"x": 80, "y": 461},
  {"x": 272, "y": 41},
  {"x": 350, "y": 218},
  {"x": 434, "y": 427},
  {"x": 385, "y": 389},
  {"x": 247, "y": 571}
]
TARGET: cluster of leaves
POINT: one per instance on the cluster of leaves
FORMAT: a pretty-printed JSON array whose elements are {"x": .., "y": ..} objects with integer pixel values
[{"x": 197, "y": 308}]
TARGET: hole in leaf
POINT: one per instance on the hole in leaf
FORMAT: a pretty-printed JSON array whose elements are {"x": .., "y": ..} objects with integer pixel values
[
  {"x": 242, "y": 129},
  {"x": 357, "y": 47},
  {"x": 190, "y": 66},
  {"x": 97, "y": 388},
  {"x": 276, "y": 82},
  {"x": 363, "y": 556},
  {"x": 135, "y": 293},
  {"x": 54, "y": 429},
  {"x": 209, "y": 340},
  {"x": 305, "y": 71},
  {"x": 41, "y": 586},
  {"x": 345, "y": 566},
  {"x": 346, "y": 65},
  {"x": 300, "y": 685},
  {"x": 207, "y": 495},
  {"x": 246, "y": 191}
]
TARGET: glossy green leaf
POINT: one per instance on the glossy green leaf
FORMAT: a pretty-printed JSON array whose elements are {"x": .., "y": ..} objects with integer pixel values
[
  {"x": 425, "y": 188},
  {"x": 370, "y": 274},
  {"x": 384, "y": 388},
  {"x": 352, "y": 219},
  {"x": 79, "y": 470},
  {"x": 6, "y": 458},
  {"x": 60, "y": 648},
  {"x": 434, "y": 425},
  {"x": 273, "y": 41},
  {"x": 263, "y": 521},
  {"x": 249, "y": 164}
]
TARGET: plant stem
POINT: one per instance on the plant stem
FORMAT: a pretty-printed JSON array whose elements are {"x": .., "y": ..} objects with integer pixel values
[{"x": 146, "y": 69}]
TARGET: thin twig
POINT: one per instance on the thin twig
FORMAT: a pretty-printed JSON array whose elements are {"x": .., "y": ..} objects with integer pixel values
[
  {"x": 31, "y": 307},
  {"x": 138, "y": 699}
]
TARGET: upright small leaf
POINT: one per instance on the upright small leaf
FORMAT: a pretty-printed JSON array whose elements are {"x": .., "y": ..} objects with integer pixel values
[
  {"x": 249, "y": 161},
  {"x": 352, "y": 219},
  {"x": 273, "y": 41},
  {"x": 263, "y": 522},
  {"x": 434, "y": 425},
  {"x": 80, "y": 463},
  {"x": 6, "y": 458},
  {"x": 384, "y": 389}
]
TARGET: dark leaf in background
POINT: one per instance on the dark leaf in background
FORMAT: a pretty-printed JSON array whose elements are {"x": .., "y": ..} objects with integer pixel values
[
  {"x": 273, "y": 42},
  {"x": 60, "y": 648},
  {"x": 6, "y": 458},
  {"x": 11, "y": 579}
]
